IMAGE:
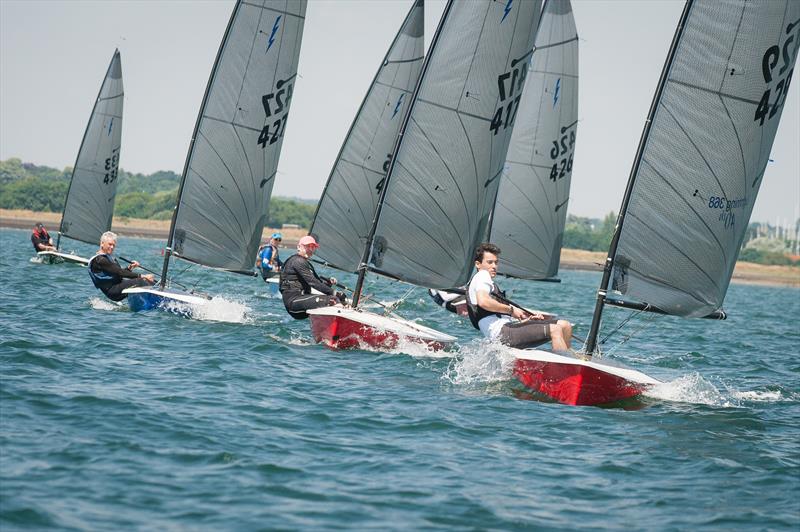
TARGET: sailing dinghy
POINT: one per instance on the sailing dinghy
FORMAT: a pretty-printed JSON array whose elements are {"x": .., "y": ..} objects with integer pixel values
[
  {"x": 701, "y": 159},
  {"x": 233, "y": 157},
  {"x": 89, "y": 205},
  {"x": 435, "y": 188}
]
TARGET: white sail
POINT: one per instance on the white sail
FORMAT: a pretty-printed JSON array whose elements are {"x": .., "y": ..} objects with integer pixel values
[
  {"x": 531, "y": 209},
  {"x": 695, "y": 182},
  {"x": 347, "y": 206},
  {"x": 443, "y": 180},
  {"x": 230, "y": 170},
  {"x": 89, "y": 205}
]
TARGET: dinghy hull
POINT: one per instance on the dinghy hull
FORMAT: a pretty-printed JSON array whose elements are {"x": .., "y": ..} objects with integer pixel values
[
  {"x": 573, "y": 381},
  {"x": 57, "y": 257},
  {"x": 346, "y": 328},
  {"x": 180, "y": 303}
]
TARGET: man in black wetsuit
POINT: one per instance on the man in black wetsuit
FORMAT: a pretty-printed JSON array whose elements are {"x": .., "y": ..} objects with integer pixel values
[
  {"x": 298, "y": 278},
  {"x": 41, "y": 240},
  {"x": 111, "y": 278}
]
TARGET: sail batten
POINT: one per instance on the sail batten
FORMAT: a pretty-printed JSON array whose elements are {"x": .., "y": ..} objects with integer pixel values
[
  {"x": 89, "y": 204},
  {"x": 530, "y": 213},
  {"x": 232, "y": 161}
]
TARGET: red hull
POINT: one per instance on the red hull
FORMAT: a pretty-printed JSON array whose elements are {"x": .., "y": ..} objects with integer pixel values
[
  {"x": 575, "y": 384},
  {"x": 337, "y": 332}
]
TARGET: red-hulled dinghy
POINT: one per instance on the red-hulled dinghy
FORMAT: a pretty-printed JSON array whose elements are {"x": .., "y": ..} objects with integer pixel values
[
  {"x": 424, "y": 207},
  {"x": 682, "y": 195},
  {"x": 347, "y": 328},
  {"x": 573, "y": 380}
]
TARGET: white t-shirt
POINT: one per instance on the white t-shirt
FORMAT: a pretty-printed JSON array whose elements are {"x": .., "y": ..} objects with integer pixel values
[{"x": 490, "y": 325}]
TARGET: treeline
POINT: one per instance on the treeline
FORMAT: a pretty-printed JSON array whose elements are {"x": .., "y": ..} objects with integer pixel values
[
  {"x": 153, "y": 196},
  {"x": 588, "y": 233}
]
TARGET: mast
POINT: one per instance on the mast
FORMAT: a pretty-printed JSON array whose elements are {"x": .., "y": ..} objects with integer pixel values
[
  {"x": 168, "y": 249},
  {"x": 83, "y": 140},
  {"x": 362, "y": 268},
  {"x": 591, "y": 339}
]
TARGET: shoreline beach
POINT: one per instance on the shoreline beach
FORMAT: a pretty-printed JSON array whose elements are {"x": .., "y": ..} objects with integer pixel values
[{"x": 571, "y": 259}]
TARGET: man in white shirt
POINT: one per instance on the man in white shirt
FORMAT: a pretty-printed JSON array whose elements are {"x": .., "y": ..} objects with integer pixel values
[{"x": 504, "y": 322}]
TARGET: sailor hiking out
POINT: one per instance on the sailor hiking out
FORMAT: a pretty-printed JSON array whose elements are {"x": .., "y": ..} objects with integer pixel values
[
  {"x": 505, "y": 322},
  {"x": 111, "y": 278},
  {"x": 299, "y": 282}
]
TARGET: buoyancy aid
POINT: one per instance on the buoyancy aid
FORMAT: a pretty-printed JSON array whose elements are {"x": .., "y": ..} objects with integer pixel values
[
  {"x": 476, "y": 313},
  {"x": 102, "y": 280}
]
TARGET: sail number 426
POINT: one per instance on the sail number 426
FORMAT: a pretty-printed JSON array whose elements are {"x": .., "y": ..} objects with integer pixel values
[{"x": 562, "y": 148}]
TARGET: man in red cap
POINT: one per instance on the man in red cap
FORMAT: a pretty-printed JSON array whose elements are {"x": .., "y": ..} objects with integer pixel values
[{"x": 302, "y": 289}]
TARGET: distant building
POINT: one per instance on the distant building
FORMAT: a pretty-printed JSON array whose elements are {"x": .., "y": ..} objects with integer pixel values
[{"x": 290, "y": 226}]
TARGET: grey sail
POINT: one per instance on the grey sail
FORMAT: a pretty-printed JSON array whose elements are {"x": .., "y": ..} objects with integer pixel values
[
  {"x": 232, "y": 161},
  {"x": 347, "y": 207},
  {"x": 89, "y": 206},
  {"x": 531, "y": 208},
  {"x": 701, "y": 165},
  {"x": 443, "y": 180}
]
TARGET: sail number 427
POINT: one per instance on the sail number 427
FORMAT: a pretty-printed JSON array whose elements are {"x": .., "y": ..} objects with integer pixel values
[
  {"x": 276, "y": 103},
  {"x": 510, "y": 84}
]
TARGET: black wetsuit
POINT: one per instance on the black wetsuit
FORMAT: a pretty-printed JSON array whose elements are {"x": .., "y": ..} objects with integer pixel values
[
  {"x": 298, "y": 277},
  {"x": 40, "y": 238},
  {"x": 111, "y": 279}
]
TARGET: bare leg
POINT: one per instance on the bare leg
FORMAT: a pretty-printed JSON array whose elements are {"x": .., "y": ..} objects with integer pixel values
[
  {"x": 557, "y": 337},
  {"x": 566, "y": 331}
]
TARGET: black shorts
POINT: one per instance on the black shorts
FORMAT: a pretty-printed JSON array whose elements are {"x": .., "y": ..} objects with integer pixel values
[
  {"x": 114, "y": 292},
  {"x": 297, "y": 303},
  {"x": 525, "y": 334}
]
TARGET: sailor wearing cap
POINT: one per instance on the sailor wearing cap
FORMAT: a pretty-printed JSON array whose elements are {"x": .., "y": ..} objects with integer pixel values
[{"x": 299, "y": 282}]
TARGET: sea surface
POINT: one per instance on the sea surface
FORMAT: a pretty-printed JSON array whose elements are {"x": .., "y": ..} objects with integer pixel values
[{"x": 111, "y": 419}]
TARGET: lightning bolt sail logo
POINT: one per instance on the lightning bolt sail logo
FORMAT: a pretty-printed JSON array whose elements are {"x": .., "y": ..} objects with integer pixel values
[
  {"x": 507, "y": 10},
  {"x": 399, "y": 103},
  {"x": 556, "y": 92},
  {"x": 274, "y": 31}
]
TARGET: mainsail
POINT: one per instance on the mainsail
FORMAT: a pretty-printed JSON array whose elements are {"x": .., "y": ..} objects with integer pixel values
[
  {"x": 345, "y": 211},
  {"x": 443, "y": 180},
  {"x": 89, "y": 205},
  {"x": 531, "y": 209},
  {"x": 702, "y": 156},
  {"x": 230, "y": 169}
]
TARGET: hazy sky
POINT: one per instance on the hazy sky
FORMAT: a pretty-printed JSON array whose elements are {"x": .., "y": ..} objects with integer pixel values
[{"x": 53, "y": 55}]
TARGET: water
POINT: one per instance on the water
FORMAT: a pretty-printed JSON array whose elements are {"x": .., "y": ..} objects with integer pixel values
[{"x": 111, "y": 419}]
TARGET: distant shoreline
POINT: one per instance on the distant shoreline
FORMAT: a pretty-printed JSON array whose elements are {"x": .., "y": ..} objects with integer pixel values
[{"x": 571, "y": 259}]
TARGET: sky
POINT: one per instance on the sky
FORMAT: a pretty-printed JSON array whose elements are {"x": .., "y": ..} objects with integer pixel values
[{"x": 54, "y": 54}]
